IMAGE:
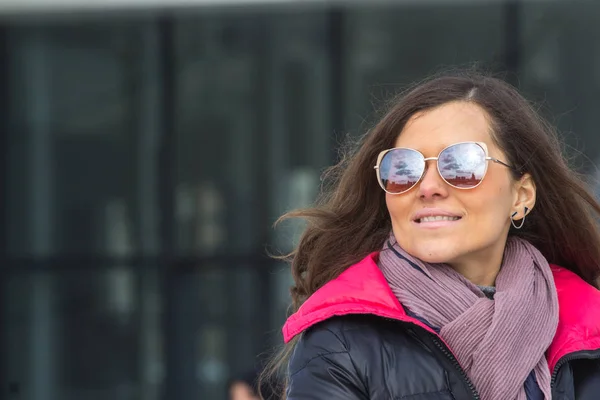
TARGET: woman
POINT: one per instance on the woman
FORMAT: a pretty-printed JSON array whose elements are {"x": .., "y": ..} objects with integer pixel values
[{"x": 455, "y": 256}]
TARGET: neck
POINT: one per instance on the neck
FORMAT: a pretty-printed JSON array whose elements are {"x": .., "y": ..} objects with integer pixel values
[
  {"x": 481, "y": 267},
  {"x": 478, "y": 275},
  {"x": 481, "y": 272}
]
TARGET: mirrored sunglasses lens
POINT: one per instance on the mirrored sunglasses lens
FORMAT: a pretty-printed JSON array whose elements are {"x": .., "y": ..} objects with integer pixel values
[
  {"x": 401, "y": 169},
  {"x": 463, "y": 165}
]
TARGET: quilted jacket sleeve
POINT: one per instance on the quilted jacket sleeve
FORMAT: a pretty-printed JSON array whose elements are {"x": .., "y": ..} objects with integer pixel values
[
  {"x": 587, "y": 378},
  {"x": 321, "y": 369}
]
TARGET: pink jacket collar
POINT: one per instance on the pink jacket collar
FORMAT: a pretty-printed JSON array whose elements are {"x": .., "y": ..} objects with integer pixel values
[{"x": 362, "y": 289}]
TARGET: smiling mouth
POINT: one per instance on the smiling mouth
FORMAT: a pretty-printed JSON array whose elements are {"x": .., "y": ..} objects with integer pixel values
[{"x": 436, "y": 218}]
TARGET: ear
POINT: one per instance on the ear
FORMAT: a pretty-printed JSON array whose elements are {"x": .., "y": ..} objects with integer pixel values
[{"x": 524, "y": 197}]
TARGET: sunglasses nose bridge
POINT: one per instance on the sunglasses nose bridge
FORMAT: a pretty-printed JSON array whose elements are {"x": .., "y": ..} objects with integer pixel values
[
  {"x": 426, "y": 165},
  {"x": 431, "y": 183}
]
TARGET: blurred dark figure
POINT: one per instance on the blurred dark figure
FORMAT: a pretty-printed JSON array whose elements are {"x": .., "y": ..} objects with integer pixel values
[{"x": 246, "y": 387}]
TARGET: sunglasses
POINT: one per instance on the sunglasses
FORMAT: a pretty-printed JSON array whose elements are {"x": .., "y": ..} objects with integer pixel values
[{"x": 461, "y": 165}]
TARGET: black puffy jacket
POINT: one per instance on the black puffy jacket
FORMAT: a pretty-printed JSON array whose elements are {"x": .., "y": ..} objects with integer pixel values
[{"x": 357, "y": 342}]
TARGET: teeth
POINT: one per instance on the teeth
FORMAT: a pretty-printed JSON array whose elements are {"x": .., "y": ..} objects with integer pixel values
[{"x": 438, "y": 218}]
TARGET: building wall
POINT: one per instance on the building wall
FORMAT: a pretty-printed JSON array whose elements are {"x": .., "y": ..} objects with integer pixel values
[{"x": 148, "y": 154}]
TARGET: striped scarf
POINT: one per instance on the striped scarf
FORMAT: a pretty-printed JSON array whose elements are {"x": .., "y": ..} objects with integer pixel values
[{"x": 498, "y": 342}]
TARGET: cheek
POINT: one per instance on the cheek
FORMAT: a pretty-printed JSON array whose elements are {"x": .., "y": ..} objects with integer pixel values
[
  {"x": 491, "y": 205},
  {"x": 398, "y": 206}
]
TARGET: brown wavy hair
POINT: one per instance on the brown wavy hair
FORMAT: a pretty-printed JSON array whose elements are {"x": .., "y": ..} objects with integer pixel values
[{"x": 350, "y": 220}]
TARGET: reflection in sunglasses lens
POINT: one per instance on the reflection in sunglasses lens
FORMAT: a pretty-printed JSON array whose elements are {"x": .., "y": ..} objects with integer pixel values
[
  {"x": 463, "y": 165},
  {"x": 401, "y": 169}
]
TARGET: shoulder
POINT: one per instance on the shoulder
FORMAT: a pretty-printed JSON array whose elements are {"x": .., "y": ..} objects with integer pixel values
[
  {"x": 335, "y": 335},
  {"x": 353, "y": 329},
  {"x": 356, "y": 339},
  {"x": 579, "y": 316},
  {"x": 568, "y": 282},
  {"x": 579, "y": 301},
  {"x": 381, "y": 357},
  {"x": 322, "y": 363}
]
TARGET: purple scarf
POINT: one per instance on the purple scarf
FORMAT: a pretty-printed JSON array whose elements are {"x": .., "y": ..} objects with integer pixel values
[{"x": 497, "y": 342}]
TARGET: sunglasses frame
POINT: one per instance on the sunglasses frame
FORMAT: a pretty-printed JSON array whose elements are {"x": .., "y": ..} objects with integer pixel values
[{"x": 482, "y": 145}]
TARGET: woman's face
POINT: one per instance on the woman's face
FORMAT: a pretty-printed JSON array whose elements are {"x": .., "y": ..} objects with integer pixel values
[{"x": 479, "y": 235}]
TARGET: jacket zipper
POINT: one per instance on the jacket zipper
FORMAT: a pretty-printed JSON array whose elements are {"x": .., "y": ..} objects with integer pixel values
[
  {"x": 585, "y": 354},
  {"x": 444, "y": 349},
  {"x": 448, "y": 354},
  {"x": 578, "y": 355}
]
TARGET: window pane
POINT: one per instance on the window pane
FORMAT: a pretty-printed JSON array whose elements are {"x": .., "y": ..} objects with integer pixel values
[
  {"x": 390, "y": 47},
  {"x": 253, "y": 101},
  {"x": 253, "y": 132},
  {"x": 73, "y": 163},
  {"x": 83, "y": 334},
  {"x": 560, "y": 67},
  {"x": 80, "y": 179},
  {"x": 219, "y": 132}
]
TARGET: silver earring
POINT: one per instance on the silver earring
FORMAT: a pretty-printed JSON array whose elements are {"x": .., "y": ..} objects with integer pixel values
[{"x": 512, "y": 221}]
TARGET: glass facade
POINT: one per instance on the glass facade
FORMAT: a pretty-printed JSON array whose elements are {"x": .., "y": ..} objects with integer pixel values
[{"x": 147, "y": 155}]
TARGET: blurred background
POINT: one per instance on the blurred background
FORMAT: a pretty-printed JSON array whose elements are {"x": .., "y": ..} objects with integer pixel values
[{"x": 148, "y": 146}]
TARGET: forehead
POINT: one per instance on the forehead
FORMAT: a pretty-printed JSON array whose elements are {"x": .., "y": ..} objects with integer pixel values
[{"x": 433, "y": 130}]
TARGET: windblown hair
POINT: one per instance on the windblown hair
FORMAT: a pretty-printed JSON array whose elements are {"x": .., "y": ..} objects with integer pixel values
[{"x": 350, "y": 220}]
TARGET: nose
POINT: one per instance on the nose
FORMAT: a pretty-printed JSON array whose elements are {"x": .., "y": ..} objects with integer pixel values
[{"x": 432, "y": 185}]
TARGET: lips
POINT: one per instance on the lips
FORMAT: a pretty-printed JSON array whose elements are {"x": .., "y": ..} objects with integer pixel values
[
  {"x": 435, "y": 218},
  {"x": 434, "y": 215}
]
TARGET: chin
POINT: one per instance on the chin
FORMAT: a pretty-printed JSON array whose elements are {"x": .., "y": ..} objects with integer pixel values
[{"x": 434, "y": 254}]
